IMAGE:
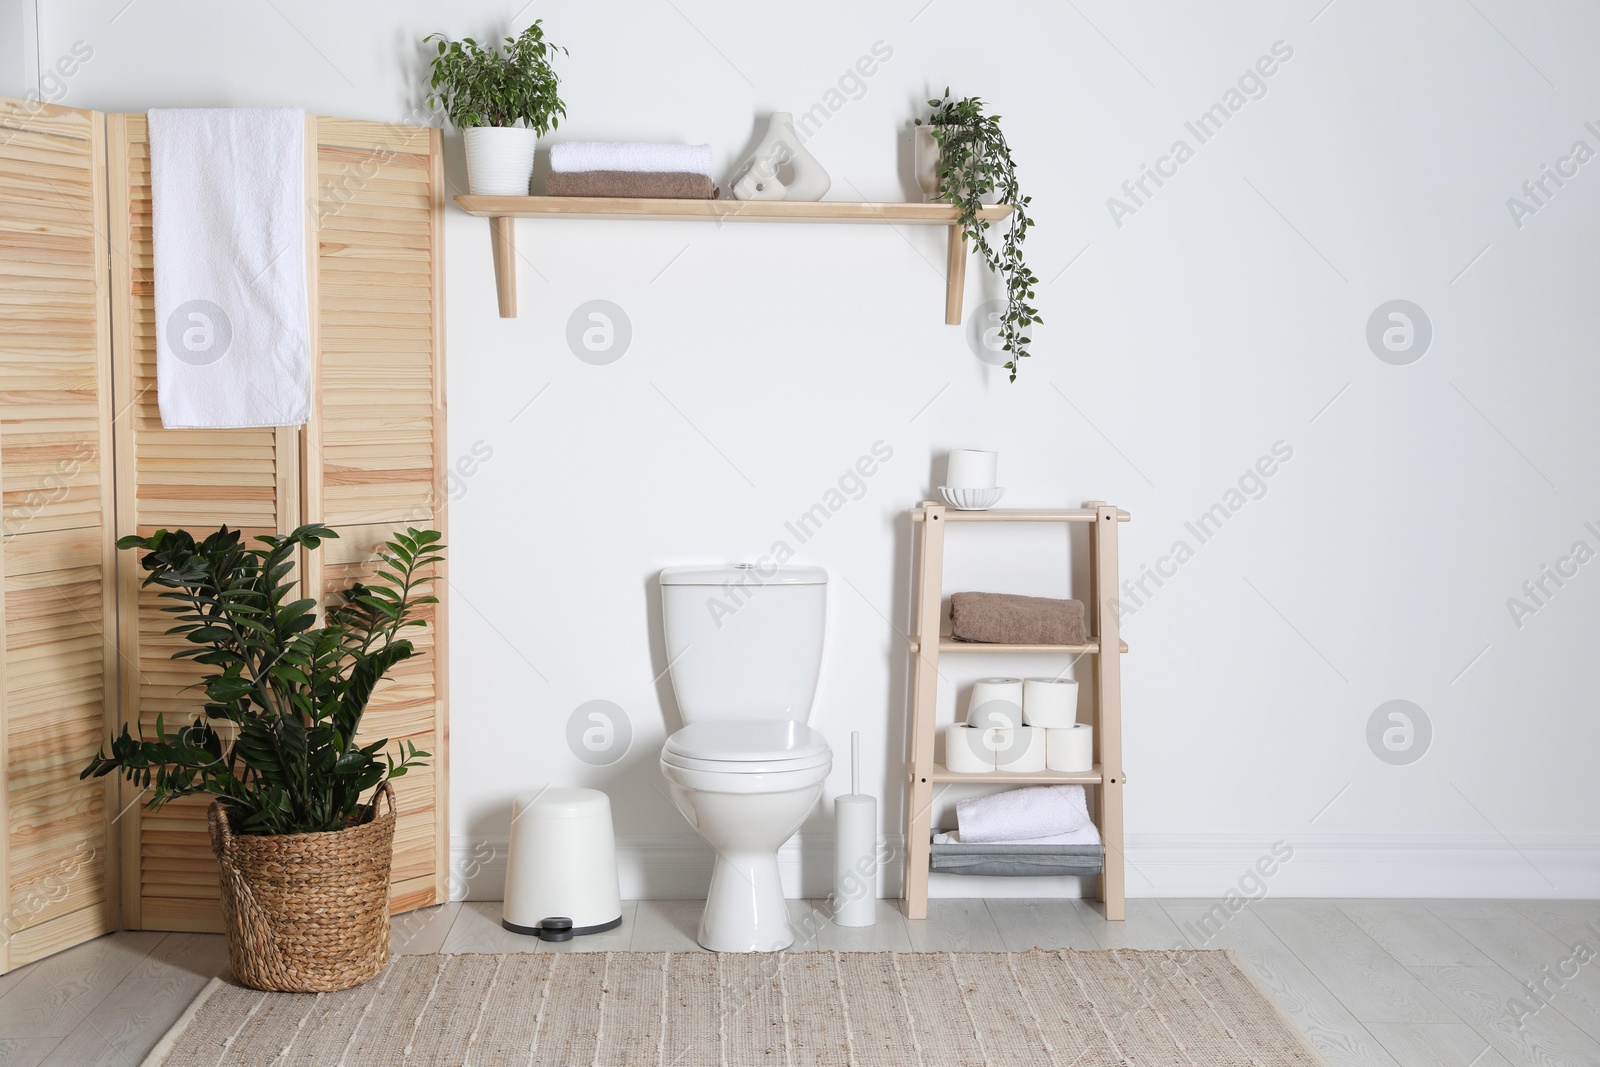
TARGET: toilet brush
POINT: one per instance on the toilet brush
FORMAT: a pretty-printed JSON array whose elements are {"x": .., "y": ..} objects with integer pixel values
[{"x": 855, "y": 850}]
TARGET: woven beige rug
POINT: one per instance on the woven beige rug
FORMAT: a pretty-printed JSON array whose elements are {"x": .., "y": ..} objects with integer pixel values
[{"x": 818, "y": 1009}]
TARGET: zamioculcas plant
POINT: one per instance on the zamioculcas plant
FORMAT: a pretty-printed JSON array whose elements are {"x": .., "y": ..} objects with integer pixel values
[
  {"x": 975, "y": 162},
  {"x": 284, "y": 697}
]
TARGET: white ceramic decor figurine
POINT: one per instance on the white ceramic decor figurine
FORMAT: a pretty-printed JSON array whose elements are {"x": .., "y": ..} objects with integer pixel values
[{"x": 780, "y": 149}]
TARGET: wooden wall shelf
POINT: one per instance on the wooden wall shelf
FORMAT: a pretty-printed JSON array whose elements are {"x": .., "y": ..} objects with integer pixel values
[{"x": 501, "y": 211}]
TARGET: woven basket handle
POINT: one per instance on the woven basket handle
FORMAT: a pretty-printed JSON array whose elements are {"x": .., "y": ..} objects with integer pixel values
[
  {"x": 386, "y": 791},
  {"x": 221, "y": 832}
]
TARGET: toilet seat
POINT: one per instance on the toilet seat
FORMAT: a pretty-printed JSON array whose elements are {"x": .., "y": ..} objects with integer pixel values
[
  {"x": 746, "y": 747},
  {"x": 728, "y": 766}
]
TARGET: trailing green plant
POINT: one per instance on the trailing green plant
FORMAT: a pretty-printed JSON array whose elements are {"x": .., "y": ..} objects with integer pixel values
[
  {"x": 975, "y": 162},
  {"x": 285, "y": 696},
  {"x": 480, "y": 86}
]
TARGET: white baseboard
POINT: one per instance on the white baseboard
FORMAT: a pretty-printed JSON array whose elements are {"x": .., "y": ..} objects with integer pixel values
[
  {"x": 1158, "y": 865},
  {"x": 1363, "y": 865},
  {"x": 676, "y": 867}
]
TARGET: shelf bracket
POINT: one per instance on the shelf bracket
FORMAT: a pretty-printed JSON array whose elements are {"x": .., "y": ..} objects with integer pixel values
[
  {"x": 955, "y": 277},
  {"x": 503, "y": 241}
]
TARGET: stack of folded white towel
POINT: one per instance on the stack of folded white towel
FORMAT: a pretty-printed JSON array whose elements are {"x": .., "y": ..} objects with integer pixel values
[
  {"x": 1036, "y": 815},
  {"x": 656, "y": 171}
]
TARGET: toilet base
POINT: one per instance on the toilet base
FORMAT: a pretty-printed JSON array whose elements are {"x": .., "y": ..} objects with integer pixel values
[{"x": 745, "y": 908}]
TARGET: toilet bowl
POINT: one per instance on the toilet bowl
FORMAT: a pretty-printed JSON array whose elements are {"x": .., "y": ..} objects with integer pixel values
[
  {"x": 746, "y": 799},
  {"x": 744, "y": 651}
]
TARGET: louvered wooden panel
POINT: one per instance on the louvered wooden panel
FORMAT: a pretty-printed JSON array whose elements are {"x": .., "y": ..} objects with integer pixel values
[
  {"x": 404, "y": 708},
  {"x": 247, "y": 479},
  {"x": 369, "y": 460},
  {"x": 374, "y": 460},
  {"x": 380, "y": 411},
  {"x": 56, "y": 693}
]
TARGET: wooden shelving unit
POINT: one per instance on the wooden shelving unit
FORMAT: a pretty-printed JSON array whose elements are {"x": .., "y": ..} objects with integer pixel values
[
  {"x": 502, "y": 211},
  {"x": 1105, "y": 777}
]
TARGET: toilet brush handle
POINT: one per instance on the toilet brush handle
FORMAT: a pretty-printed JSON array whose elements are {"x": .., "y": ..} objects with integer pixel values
[{"x": 855, "y": 762}]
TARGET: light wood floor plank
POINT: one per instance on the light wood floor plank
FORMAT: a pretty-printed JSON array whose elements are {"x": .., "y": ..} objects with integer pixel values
[
  {"x": 1573, "y": 921},
  {"x": 1437, "y": 1045},
  {"x": 24, "y": 1052},
  {"x": 1333, "y": 1030},
  {"x": 59, "y": 992},
  {"x": 1025, "y": 924},
  {"x": 1482, "y": 996},
  {"x": 667, "y": 926},
  {"x": 1147, "y": 926},
  {"x": 1368, "y": 981},
  {"x": 420, "y": 932},
  {"x": 955, "y": 926},
  {"x": 888, "y": 934},
  {"x": 1536, "y": 958},
  {"x": 146, "y": 1003},
  {"x": 1414, "y": 936},
  {"x": 477, "y": 929}
]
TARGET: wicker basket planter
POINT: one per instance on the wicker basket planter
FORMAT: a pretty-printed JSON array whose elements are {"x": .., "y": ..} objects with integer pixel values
[{"x": 307, "y": 913}]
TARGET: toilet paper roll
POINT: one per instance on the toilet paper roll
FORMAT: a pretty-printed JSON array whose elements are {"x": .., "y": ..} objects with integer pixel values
[
  {"x": 1070, "y": 748},
  {"x": 995, "y": 702},
  {"x": 1050, "y": 702},
  {"x": 969, "y": 468},
  {"x": 855, "y": 860},
  {"x": 967, "y": 750},
  {"x": 1021, "y": 749}
]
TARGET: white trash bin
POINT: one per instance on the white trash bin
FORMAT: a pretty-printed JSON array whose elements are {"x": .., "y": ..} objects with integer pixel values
[{"x": 563, "y": 863}]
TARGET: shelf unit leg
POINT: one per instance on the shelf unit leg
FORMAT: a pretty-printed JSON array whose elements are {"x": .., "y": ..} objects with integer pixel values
[
  {"x": 924, "y": 709},
  {"x": 919, "y": 846},
  {"x": 955, "y": 277},
  {"x": 1108, "y": 708},
  {"x": 503, "y": 242},
  {"x": 1112, "y": 881}
]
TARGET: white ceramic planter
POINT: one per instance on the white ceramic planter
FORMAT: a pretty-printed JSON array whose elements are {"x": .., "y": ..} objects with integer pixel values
[
  {"x": 499, "y": 160},
  {"x": 925, "y": 161}
]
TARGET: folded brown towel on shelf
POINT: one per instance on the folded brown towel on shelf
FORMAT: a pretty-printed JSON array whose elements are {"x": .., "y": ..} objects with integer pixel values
[
  {"x": 1007, "y": 619},
  {"x": 633, "y": 184}
]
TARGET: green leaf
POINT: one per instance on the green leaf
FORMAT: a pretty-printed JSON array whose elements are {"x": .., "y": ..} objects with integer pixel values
[{"x": 291, "y": 692}]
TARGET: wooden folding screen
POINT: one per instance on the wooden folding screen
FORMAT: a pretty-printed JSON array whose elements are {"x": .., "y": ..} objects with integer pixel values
[
  {"x": 84, "y": 646},
  {"x": 57, "y": 853},
  {"x": 370, "y": 461}
]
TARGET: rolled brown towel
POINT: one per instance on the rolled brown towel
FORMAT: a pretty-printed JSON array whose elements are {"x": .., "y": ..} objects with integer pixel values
[
  {"x": 1007, "y": 619},
  {"x": 632, "y": 185}
]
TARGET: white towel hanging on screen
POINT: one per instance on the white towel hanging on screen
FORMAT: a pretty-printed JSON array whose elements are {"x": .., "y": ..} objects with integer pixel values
[{"x": 233, "y": 333}]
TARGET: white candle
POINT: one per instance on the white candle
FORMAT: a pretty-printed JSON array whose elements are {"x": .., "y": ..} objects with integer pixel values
[{"x": 972, "y": 469}]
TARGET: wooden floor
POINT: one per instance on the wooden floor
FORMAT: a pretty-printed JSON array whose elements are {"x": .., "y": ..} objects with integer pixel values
[{"x": 1374, "y": 983}]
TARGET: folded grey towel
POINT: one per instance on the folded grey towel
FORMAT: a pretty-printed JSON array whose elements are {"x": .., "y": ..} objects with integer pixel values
[
  {"x": 629, "y": 184},
  {"x": 1007, "y": 619}
]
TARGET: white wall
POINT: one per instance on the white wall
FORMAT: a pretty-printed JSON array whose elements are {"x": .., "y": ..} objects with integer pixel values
[
  {"x": 19, "y": 48},
  {"x": 1228, "y": 313}
]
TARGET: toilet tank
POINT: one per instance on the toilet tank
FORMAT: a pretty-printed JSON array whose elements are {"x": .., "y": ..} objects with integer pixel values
[{"x": 744, "y": 642}]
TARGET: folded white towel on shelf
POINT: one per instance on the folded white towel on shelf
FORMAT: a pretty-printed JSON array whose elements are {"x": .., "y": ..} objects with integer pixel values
[
  {"x": 1089, "y": 835},
  {"x": 1022, "y": 814},
  {"x": 570, "y": 157},
  {"x": 228, "y": 221}
]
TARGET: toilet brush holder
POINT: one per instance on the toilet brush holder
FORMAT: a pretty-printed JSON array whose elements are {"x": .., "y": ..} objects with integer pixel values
[{"x": 855, "y": 851}]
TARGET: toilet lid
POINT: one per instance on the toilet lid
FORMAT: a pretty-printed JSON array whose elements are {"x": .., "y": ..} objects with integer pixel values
[{"x": 761, "y": 741}]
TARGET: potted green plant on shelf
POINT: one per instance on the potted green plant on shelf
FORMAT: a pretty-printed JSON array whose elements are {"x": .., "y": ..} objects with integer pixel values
[
  {"x": 304, "y": 860},
  {"x": 961, "y": 156},
  {"x": 486, "y": 92}
]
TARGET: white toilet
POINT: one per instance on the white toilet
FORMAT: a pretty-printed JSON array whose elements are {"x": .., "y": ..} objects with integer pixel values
[{"x": 744, "y": 647}]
